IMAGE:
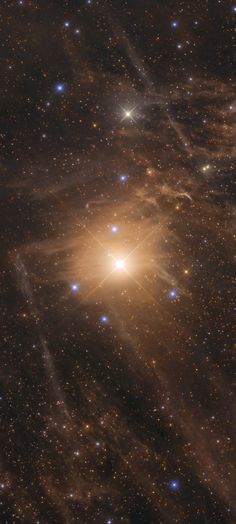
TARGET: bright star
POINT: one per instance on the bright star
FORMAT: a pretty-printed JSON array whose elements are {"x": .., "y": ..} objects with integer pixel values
[
  {"x": 114, "y": 229},
  {"x": 174, "y": 23},
  {"x": 172, "y": 293},
  {"x": 128, "y": 114},
  {"x": 120, "y": 264}
]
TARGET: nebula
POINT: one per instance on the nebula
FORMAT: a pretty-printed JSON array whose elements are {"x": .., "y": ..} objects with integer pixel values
[{"x": 118, "y": 222}]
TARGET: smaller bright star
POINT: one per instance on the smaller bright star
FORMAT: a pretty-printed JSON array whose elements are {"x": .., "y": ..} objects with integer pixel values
[
  {"x": 104, "y": 319},
  {"x": 174, "y": 23},
  {"x": 174, "y": 484},
  {"x": 74, "y": 287},
  {"x": 123, "y": 178},
  {"x": 60, "y": 87},
  {"x": 114, "y": 229},
  {"x": 66, "y": 24},
  {"x": 173, "y": 293}
]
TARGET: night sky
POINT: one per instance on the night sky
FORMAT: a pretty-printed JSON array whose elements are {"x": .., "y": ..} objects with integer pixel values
[{"x": 118, "y": 160}]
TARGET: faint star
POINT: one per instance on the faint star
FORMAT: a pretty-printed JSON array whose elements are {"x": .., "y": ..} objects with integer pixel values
[{"x": 206, "y": 167}]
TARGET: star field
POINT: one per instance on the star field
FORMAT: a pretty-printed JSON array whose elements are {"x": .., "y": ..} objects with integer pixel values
[{"x": 118, "y": 159}]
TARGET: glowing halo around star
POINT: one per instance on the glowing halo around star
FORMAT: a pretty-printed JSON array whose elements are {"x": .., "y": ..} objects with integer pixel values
[{"x": 115, "y": 263}]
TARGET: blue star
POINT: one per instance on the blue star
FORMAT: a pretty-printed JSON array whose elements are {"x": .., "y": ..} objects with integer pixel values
[
  {"x": 66, "y": 24},
  {"x": 174, "y": 485},
  {"x": 74, "y": 287},
  {"x": 174, "y": 23},
  {"x": 114, "y": 229},
  {"x": 234, "y": 8},
  {"x": 59, "y": 87},
  {"x": 104, "y": 319},
  {"x": 172, "y": 293},
  {"x": 123, "y": 178}
]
